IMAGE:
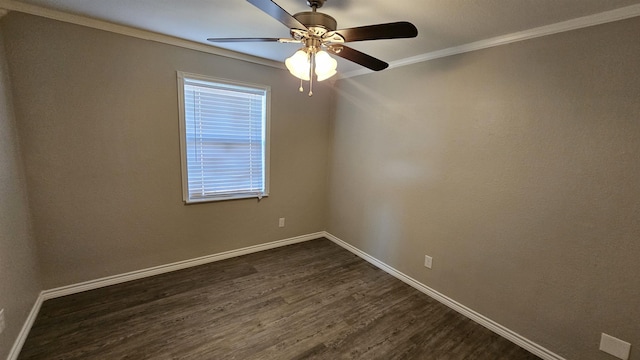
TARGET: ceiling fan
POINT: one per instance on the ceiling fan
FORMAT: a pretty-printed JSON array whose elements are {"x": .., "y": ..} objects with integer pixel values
[{"x": 317, "y": 32}]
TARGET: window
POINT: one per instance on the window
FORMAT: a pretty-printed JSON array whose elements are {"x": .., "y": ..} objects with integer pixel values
[{"x": 224, "y": 132}]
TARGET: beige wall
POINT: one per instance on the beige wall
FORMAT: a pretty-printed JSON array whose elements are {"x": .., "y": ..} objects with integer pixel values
[
  {"x": 98, "y": 123},
  {"x": 19, "y": 279},
  {"x": 518, "y": 169}
]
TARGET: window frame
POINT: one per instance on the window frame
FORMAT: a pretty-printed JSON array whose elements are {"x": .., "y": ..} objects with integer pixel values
[{"x": 181, "y": 76}]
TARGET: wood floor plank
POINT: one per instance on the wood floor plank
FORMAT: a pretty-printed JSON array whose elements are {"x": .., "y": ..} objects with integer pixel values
[{"x": 312, "y": 300}]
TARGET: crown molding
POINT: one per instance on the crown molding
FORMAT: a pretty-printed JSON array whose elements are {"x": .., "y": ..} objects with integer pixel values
[
  {"x": 573, "y": 24},
  {"x": 13, "y": 5}
]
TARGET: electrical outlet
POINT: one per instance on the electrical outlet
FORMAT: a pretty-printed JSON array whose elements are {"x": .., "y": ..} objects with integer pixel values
[
  {"x": 615, "y": 347},
  {"x": 2, "y": 324},
  {"x": 428, "y": 261},
  {"x": 281, "y": 222}
]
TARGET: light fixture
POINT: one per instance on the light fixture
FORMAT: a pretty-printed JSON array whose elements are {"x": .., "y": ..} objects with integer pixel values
[
  {"x": 325, "y": 65},
  {"x": 317, "y": 31},
  {"x": 299, "y": 64},
  {"x": 309, "y": 60}
]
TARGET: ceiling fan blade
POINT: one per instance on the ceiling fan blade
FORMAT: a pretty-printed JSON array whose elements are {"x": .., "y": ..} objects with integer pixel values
[
  {"x": 275, "y": 11},
  {"x": 358, "y": 57},
  {"x": 225, "y": 40},
  {"x": 395, "y": 30}
]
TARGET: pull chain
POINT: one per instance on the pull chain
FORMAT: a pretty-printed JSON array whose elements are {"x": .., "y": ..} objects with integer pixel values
[{"x": 311, "y": 68}]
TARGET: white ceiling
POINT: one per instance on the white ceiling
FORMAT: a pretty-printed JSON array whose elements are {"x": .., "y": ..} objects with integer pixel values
[{"x": 441, "y": 24}]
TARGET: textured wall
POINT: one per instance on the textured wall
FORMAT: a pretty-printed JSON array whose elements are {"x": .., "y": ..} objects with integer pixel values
[
  {"x": 19, "y": 279},
  {"x": 98, "y": 121},
  {"x": 518, "y": 169}
]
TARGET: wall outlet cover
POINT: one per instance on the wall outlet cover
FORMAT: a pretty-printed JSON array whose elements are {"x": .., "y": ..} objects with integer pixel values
[
  {"x": 615, "y": 347},
  {"x": 2, "y": 324},
  {"x": 428, "y": 261}
]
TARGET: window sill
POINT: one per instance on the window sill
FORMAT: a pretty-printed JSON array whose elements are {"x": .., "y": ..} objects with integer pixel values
[{"x": 224, "y": 198}]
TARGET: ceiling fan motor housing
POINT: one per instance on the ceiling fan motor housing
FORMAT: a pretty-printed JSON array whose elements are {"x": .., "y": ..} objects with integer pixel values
[{"x": 312, "y": 19}]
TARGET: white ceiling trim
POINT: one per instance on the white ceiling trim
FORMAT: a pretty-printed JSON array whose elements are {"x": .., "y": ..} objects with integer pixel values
[
  {"x": 573, "y": 24},
  {"x": 12, "y": 5}
]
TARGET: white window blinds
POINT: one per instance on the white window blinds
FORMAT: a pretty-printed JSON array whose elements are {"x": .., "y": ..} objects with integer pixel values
[{"x": 224, "y": 139}]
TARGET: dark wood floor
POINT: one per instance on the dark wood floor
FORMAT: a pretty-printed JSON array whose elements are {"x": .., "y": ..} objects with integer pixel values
[{"x": 312, "y": 300}]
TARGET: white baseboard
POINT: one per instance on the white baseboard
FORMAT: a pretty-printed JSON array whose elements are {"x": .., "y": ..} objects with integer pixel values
[
  {"x": 510, "y": 335},
  {"x": 24, "y": 332},
  {"x": 139, "y": 274}
]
